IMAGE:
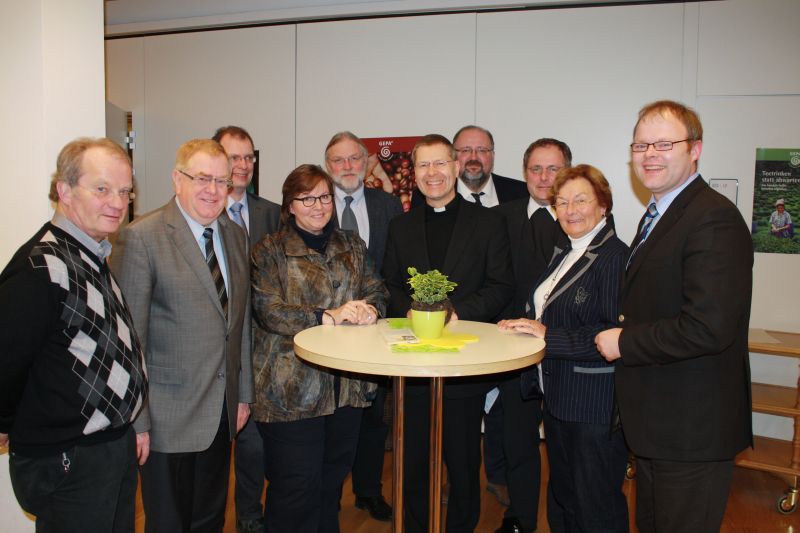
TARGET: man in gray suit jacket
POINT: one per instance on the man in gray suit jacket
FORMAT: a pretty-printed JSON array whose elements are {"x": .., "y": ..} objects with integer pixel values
[
  {"x": 184, "y": 271},
  {"x": 258, "y": 216},
  {"x": 367, "y": 212}
]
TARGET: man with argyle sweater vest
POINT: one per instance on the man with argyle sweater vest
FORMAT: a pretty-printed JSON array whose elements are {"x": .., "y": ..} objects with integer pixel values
[{"x": 73, "y": 376}]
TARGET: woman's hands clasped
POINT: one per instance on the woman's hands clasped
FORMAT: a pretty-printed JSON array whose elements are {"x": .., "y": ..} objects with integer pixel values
[
  {"x": 524, "y": 325},
  {"x": 353, "y": 312}
]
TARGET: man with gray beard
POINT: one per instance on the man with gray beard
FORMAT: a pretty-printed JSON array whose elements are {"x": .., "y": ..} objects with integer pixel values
[{"x": 366, "y": 212}]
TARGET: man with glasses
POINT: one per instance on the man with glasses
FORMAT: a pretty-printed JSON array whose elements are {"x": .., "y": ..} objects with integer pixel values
[
  {"x": 682, "y": 373},
  {"x": 470, "y": 245},
  {"x": 72, "y": 377},
  {"x": 258, "y": 216},
  {"x": 511, "y": 432},
  {"x": 366, "y": 212},
  {"x": 185, "y": 272},
  {"x": 477, "y": 183}
]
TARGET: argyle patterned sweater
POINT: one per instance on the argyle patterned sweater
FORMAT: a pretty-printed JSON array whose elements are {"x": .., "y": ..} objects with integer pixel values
[{"x": 71, "y": 365}]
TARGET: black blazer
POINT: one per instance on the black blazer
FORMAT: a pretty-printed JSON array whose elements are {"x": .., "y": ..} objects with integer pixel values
[
  {"x": 478, "y": 259},
  {"x": 531, "y": 250},
  {"x": 382, "y": 207},
  {"x": 509, "y": 189},
  {"x": 265, "y": 217},
  {"x": 683, "y": 385},
  {"x": 578, "y": 382}
]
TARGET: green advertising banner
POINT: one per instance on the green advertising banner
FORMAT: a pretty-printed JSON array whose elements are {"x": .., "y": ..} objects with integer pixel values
[{"x": 776, "y": 200}]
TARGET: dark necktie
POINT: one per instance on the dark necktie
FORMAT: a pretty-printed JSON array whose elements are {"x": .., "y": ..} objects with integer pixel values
[
  {"x": 216, "y": 273},
  {"x": 649, "y": 217},
  {"x": 477, "y": 196},
  {"x": 543, "y": 232},
  {"x": 236, "y": 214},
  {"x": 349, "y": 221}
]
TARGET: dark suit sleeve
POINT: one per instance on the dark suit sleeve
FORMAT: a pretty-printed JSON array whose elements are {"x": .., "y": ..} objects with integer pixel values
[
  {"x": 577, "y": 343},
  {"x": 497, "y": 287},
  {"x": 715, "y": 269},
  {"x": 395, "y": 275}
]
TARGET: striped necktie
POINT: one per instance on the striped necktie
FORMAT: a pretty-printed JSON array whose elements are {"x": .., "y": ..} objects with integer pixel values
[
  {"x": 649, "y": 217},
  {"x": 216, "y": 273}
]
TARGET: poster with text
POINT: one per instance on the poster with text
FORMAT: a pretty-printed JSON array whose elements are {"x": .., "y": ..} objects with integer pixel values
[
  {"x": 389, "y": 166},
  {"x": 776, "y": 200}
]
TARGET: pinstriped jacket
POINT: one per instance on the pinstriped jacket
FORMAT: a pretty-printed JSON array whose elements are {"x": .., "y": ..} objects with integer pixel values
[{"x": 578, "y": 383}]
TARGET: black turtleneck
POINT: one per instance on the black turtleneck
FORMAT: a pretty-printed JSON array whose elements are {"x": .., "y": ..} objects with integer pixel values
[
  {"x": 316, "y": 242},
  {"x": 439, "y": 226}
]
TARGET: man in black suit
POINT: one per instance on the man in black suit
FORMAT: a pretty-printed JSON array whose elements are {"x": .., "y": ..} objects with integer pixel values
[
  {"x": 683, "y": 376},
  {"x": 366, "y": 212},
  {"x": 258, "y": 216},
  {"x": 534, "y": 232},
  {"x": 470, "y": 245},
  {"x": 477, "y": 183}
]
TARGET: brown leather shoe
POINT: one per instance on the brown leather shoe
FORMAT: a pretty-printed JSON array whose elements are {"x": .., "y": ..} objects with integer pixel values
[{"x": 500, "y": 492}]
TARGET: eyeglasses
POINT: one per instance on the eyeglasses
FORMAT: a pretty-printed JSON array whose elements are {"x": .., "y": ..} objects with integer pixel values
[
  {"x": 439, "y": 164},
  {"x": 103, "y": 192},
  {"x": 205, "y": 181},
  {"x": 309, "y": 201},
  {"x": 480, "y": 150},
  {"x": 248, "y": 159},
  {"x": 578, "y": 203},
  {"x": 660, "y": 146},
  {"x": 538, "y": 169},
  {"x": 353, "y": 159}
]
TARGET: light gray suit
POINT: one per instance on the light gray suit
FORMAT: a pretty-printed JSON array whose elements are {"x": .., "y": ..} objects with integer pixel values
[{"x": 195, "y": 357}]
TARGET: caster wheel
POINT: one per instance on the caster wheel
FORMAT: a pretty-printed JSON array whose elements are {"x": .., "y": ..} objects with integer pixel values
[{"x": 785, "y": 506}]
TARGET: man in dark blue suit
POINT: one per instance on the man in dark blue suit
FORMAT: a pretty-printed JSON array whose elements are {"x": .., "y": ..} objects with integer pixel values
[
  {"x": 366, "y": 212},
  {"x": 511, "y": 428},
  {"x": 469, "y": 244},
  {"x": 683, "y": 376},
  {"x": 258, "y": 217}
]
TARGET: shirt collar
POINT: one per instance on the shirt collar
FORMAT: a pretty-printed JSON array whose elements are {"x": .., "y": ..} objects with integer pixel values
[
  {"x": 231, "y": 201},
  {"x": 101, "y": 249},
  {"x": 195, "y": 226},
  {"x": 663, "y": 204},
  {"x": 358, "y": 195},
  {"x": 534, "y": 206},
  {"x": 488, "y": 190}
]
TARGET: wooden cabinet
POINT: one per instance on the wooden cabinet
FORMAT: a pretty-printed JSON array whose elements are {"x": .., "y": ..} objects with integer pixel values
[{"x": 774, "y": 455}]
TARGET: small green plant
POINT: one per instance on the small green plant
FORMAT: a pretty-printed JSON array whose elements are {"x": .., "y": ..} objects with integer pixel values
[{"x": 429, "y": 288}]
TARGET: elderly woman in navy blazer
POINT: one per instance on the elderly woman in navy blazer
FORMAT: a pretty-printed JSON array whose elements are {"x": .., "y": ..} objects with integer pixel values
[{"x": 575, "y": 299}]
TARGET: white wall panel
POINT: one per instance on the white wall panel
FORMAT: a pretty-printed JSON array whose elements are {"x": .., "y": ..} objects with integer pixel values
[
  {"x": 398, "y": 77},
  {"x": 197, "y": 82},
  {"x": 579, "y": 75},
  {"x": 749, "y": 47}
]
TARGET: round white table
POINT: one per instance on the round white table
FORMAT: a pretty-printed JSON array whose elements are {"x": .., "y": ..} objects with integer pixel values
[{"x": 364, "y": 350}]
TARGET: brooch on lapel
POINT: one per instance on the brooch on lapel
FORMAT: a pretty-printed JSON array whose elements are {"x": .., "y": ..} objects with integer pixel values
[{"x": 581, "y": 296}]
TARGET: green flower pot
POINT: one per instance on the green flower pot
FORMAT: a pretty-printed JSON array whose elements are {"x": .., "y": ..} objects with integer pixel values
[{"x": 427, "y": 324}]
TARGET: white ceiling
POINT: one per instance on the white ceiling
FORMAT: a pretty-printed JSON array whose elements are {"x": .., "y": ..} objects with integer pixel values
[{"x": 126, "y": 17}]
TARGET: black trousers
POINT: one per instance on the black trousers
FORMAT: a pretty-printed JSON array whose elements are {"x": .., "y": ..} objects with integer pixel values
[
  {"x": 186, "y": 492},
  {"x": 368, "y": 464},
  {"x": 518, "y": 430},
  {"x": 248, "y": 458},
  {"x": 673, "y": 496},
  {"x": 461, "y": 443},
  {"x": 305, "y": 463},
  {"x": 587, "y": 469},
  {"x": 84, "y": 488}
]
